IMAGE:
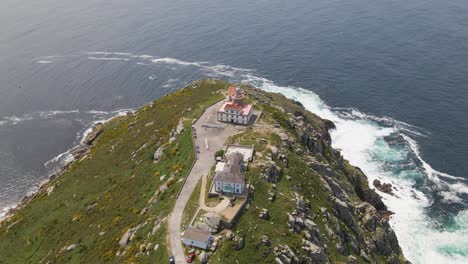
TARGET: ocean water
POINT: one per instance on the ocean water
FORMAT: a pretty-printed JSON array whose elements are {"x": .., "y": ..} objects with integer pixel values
[{"x": 392, "y": 75}]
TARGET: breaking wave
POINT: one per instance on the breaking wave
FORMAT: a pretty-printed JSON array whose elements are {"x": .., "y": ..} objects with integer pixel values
[
  {"x": 44, "y": 61},
  {"x": 63, "y": 159},
  {"x": 16, "y": 119},
  {"x": 363, "y": 140},
  {"x": 108, "y": 58}
]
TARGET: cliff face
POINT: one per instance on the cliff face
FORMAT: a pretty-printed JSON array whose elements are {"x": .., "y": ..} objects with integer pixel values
[{"x": 308, "y": 205}]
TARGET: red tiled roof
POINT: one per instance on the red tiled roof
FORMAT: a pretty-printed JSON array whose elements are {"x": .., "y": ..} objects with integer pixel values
[
  {"x": 231, "y": 90},
  {"x": 233, "y": 106},
  {"x": 244, "y": 109}
]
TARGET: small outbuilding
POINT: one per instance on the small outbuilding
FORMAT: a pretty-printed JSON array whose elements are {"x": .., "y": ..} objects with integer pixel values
[{"x": 196, "y": 237}]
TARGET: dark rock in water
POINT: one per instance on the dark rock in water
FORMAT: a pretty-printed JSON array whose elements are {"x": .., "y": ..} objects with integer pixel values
[
  {"x": 329, "y": 124},
  {"x": 91, "y": 137},
  {"x": 385, "y": 187}
]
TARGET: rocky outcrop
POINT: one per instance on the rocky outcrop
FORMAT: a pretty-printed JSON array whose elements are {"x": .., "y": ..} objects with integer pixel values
[
  {"x": 92, "y": 136},
  {"x": 284, "y": 255},
  {"x": 344, "y": 213},
  {"x": 316, "y": 253},
  {"x": 272, "y": 173},
  {"x": 128, "y": 236},
  {"x": 385, "y": 187},
  {"x": 79, "y": 152},
  {"x": 158, "y": 154}
]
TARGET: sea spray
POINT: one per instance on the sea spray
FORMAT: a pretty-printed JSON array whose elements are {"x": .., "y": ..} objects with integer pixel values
[{"x": 362, "y": 141}]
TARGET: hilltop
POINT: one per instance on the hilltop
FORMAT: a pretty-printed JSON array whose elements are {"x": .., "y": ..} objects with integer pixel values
[{"x": 112, "y": 204}]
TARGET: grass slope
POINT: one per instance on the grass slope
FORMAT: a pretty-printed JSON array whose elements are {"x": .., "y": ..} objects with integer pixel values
[{"x": 99, "y": 198}]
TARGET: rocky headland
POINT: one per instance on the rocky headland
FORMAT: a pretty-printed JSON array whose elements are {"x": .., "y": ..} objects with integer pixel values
[{"x": 308, "y": 204}]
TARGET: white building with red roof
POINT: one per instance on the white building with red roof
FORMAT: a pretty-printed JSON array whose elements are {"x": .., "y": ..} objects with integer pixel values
[{"x": 235, "y": 111}]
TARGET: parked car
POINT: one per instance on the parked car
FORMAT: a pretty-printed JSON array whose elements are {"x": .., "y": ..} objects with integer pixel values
[
  {"x": 191, "y": 257},
  {"x": 171, "y": 260}
]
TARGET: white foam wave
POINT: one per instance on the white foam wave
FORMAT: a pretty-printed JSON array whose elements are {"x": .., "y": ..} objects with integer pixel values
[
  {"x": 62, "y": 159},
  {"x": 108, "y": 53},
  {"x": 213, "y": 70},
  {"x": 176, "y": 61},
  {"x": 44, "y": 62},
  {"x": 108, "y": 59},
  {"x": 47, "y": 114},
  {"x": 462, "y": 219},
  {"x": 120, "y": 112},
  {"x": 153, "y": 77},
  {"x": 387, "y": 121},
  {"x": 143, "y": 56},
  {"x": 450, "y": 197},
  {"x": 4, "y": 210},
  {"x": 359, "y": 139},
  {"x": 17, "y": 119},
  {"x": 97, "y": 112}
]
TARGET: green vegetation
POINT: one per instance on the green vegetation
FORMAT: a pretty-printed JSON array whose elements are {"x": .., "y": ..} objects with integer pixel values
[
  {"x": 118, "y": 187},
  {"x": 99, "y": 198},
  {"x": 192, "y": 205},
  {"x": 219, "y": 153},
  {"x": 303, "y": 181}
]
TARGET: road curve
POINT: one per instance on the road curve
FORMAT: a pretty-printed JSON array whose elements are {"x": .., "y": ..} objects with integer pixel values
[{"x": 209, "y": 140}]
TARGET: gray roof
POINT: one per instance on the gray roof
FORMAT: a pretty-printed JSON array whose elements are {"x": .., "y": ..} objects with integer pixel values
[
  {"x": 234, "y": 170},
  {"x": 197, "y": 234}
]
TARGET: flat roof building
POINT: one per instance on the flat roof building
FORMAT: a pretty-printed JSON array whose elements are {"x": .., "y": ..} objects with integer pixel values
[{"x": 196, "y": 237}]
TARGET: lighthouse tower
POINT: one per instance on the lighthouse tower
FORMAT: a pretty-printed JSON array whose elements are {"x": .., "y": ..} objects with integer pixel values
[
  {"x": 238, "y": 97},
  {"x": 234, "y": 110}
]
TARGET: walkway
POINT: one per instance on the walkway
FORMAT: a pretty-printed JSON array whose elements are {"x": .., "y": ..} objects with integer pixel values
[
  {"x": 201, "y": 201},
  {"x": 209, "y": 140}
]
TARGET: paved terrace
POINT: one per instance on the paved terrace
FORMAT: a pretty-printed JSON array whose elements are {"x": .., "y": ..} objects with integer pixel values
[{"x": 211, "y": 136}]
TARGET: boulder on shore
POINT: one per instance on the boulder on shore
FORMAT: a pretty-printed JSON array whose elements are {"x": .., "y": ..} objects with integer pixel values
[
  {"x": 91, "y": 137},
  {"x": 385, "y": 187}
]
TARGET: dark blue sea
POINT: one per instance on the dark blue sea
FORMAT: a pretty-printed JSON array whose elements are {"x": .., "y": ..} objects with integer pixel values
[{"x": 391, "y": 74}]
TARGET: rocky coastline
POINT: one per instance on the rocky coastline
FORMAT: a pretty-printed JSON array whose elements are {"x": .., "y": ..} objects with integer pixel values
[
  {"x": 312, "y": 205},
  {"x": 78, "y": 152}
]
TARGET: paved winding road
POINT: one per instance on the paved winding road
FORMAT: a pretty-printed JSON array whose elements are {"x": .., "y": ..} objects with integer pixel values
[{"x": 209, "y": 139}]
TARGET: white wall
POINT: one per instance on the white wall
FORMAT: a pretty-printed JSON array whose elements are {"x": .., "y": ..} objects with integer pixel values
[
  {"x": 235, "y": 118},
  {"x": 220, "y": 186},
  {"x": 193, "y": 243}
]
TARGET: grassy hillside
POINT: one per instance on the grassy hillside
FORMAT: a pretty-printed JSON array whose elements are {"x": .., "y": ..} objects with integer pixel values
[
  {"x": 98, "y": 198},
  {"x": 323, "y": 210}
]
